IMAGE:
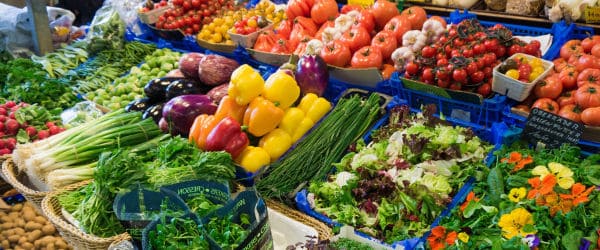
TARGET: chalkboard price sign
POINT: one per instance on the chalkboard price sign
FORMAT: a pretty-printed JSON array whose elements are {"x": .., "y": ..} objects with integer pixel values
[{"x": 551, "y": 129}]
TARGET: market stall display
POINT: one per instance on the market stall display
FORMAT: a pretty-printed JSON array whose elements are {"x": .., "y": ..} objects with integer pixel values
[{"x": 236, "y": 127}]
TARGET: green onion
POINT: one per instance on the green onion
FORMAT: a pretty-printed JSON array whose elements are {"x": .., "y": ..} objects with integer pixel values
[{"x": 313, "y": 157}]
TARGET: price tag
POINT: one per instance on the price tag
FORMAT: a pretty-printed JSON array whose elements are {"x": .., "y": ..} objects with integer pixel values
[
  {"x": 551, "y": 129},
  {"x": 364, "y": 3},
  {"x": 592, "y": 14}
]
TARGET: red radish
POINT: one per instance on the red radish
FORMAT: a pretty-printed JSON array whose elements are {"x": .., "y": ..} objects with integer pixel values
[
  {"x": 2, "y": 143},
  {"x": 10, "y": 145},
  {"x": 11, "y": 140},
  {"x": 54, "y": 130},
  {"x": 2, "y": 126},
  {"x": 43, "y": 134},
  {"x": 15, "y": 108},
  {"x": 31, "y": 131},
  {"x": 2, "y": 134},
  {"x": 50, "y": 124},
  {"x": 12, "y": 115},
  {"x": 24, "y": 125},
  {"x": 2, "y": 111},
  {"x": 3, "y": 118},
  {"x": 10, "y": 104},
  {"x": 5, "y": 151},
  {"x": 12, "y": 125},
  {"x": 61, "y": 129}
]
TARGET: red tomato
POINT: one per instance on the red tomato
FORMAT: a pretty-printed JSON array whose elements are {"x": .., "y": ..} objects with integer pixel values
[
  {"x": 383, "y": 11},
  {"x": 443, "y": 83},
  {"x": 515, "y": 48},
  {"x": 551, "y": 87},
  {"x": 588, "y": 96},
  {"x": 478, "y": 49},
  {"x": 459, "y": 75},
  {"x": 427, "y": 75},
  {"x": 387, "y": 71},
  {"x": 571, "y": 112},
  {"x": 294, "y": 9},
  {"x": 428, "y": 52},
  {"x": 385, "y": 41},
  {"x": 366, "y": 20},
  {"x": 356, "y": 38},
  {"x": 442, "y": 74},
  {"x": 306, "y": 24},
  {"x": 455, "y": 86},
  {"x": 324, "y": 10},
  {"x": 296, "y": 37},
  {"x": 485, "y": 89},
  {"x": 284, "y": 29},
  {"x": 472, "y": 68},
  {"x": 491, "y": 44},
  {"x": 477, "y": 77},
  {"x": 336, "y": 54},
  {"x": 530, "y": 49},
  {"x": 566, "y": 98},
  {"x": 588, "y": 76},
  {"x": 546, "y": 104},
  {"x": 585, "y": 61},
  {"x": 367, "y": 57},
  {"x": 525, "y": 71},
  {"x": 412, "y": 68},
  {"x": 416, "y": 15},
  {"x": 559, "y": 64},
  {"x": 591, "y": 116},
  {"x": 567, "y": 50},
  {"x": 350, "y": 7},
  {"x": 265, "y": 41},
  {"x": 568, "y": 77},
  {"x": 398, "y": 25},
  {"x": 596, "y": 50}
]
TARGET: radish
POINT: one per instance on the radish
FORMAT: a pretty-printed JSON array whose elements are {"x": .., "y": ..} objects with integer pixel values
[
  {"x": 50, "y": 124},
  {"x": 12, "y": 125},
  {"x": 43, "y": 134},
  {"x": 31, "y": 131},
  {"x": 54, "y": 130},
  {"x": 3, "y": 118},
  {"x": 2, "y": 111},
  {"x": 2, "y": 126},
  {"x": 11, "y": 145},
  {"x": 5, "y": 151},
  {"x": 2, "y": 143},
  {"x": 12, "y": 141},
  {"x": 11, "y": 115},
  {"x": 10, "y": 104}
]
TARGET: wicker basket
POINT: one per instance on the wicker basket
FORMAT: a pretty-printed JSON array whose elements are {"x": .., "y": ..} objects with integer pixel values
[
  {"x": 73, "y": 235},
  {"x": 21, "y": 183},
  {"x": 324, "y": 231}
]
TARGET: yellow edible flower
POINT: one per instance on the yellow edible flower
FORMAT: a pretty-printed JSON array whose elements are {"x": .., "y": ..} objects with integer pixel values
[
  {"x": 464, "y": 237},
  {"x": 564, "y": 175},
  {"x": 516, "y": 194},
  {"x": 513, "y": 223}
]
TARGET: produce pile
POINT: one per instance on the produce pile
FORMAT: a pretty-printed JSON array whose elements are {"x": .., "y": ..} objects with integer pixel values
[
  {"x": 546, "y": 199},
  {"x": 189, "y": 15},
  {"x": 174, "y": 160},
  {"x": 572, "y": 90},
  {"x": 217, "y": 31},
  {"x": 24, "y": 228},
  {"x": 462, "y": 57},
  {"x": 394, "y": 187}
]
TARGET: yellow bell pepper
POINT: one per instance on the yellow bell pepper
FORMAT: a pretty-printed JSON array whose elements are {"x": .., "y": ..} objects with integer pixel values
[
  {"x": 229, "y": 107},
  {"x": 295, "y": 123},
  {"x": 245, "y": 84},
  {"x": 276, "y": 143},
  {"x": 262, "y": 116},
  {"x": 253, "y": 158},
  {"x": 281, "y": 89},
  {"x": 314, "y": 107}
]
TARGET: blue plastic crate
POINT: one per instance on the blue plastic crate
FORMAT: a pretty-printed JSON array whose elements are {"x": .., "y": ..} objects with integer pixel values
[{"x": 481, "y": 115}]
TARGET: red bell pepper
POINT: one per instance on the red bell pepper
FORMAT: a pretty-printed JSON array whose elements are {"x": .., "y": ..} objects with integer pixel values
[{"x": 227, "y": 135}]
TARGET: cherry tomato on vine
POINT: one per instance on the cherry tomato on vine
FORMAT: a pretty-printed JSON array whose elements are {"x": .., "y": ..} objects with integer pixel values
[{"x": 459, "y": 75}]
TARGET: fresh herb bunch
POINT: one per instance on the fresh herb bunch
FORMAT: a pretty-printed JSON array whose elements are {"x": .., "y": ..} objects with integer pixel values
[
  {"x": 546, "y": 199},
  {"x": 201, "y": 205},
  {"x": 70, "y": 201},
  {"x": 116, "y": 172},
  {"x": 26, "y": 81},
  {"x": 395, "y": 187},
  {"x": 177, "y": 233},
  {"x": 313, "y": 243},
  {"x": 177, "y": 161},
  {"x": 227, "y": 234}
]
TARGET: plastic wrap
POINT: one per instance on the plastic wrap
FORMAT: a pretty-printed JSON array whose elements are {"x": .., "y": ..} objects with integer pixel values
[{"x": 80, "y": 113}]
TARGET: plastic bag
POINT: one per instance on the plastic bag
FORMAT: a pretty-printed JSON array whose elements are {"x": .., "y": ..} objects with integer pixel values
[
  {"x": 128, "y": 11},
  {"x": 80, "y": 113}
]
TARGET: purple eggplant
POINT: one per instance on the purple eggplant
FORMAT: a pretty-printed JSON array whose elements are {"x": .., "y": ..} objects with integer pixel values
[
  {"x": 312, "y": 75},
  {"x": 181, "y": 111},
  {"x": 185, "y": 87},
  {"x": 138, "y": 105},
  {"x": 154, "y": 112},
  {"x": 156, "y": 89}
]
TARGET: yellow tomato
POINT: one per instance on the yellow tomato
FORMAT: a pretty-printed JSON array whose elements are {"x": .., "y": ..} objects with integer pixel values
[
  {"x": 513, "y": 73},
  {"x": 535, "y": 62},
  {"x": 252, "y": 23},
  {"x": 217, "y": 37}
]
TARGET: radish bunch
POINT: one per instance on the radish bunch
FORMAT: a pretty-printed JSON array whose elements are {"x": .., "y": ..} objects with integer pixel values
[{"x": 22, "y": 123}]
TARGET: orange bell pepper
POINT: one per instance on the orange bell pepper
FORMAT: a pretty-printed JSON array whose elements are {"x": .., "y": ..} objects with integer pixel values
[
  {"x": 262, "y": 116},
  {"x": 202, "y": 126},
  {"x": 229, "y": 107}
]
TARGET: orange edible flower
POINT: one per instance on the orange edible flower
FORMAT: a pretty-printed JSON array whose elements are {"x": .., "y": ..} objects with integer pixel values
[
  {"x": 522, "y": 163},
  {"x": 578, "y": 194},
  {"x": 564, "y": 206},
  {"x": 438, "y": 239},
  {"x": 514, "y": 157},
  {"x": 470, "y": 197},
  {"x": 541, "y": 187}
]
